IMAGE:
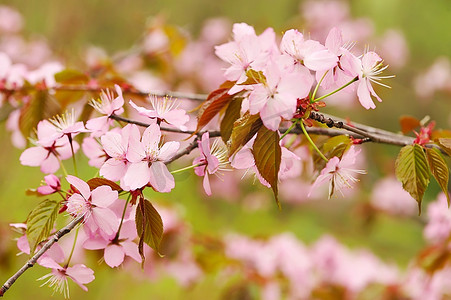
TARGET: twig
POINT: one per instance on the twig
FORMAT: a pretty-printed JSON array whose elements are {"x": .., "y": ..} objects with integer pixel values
[
  {"x": 194, "y": 144},
  {"x": 32, "y": 261}
]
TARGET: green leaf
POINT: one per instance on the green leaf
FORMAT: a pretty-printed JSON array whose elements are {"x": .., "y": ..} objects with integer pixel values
[
  {"x": 40, "y": 222},
  {"x": 97, "y": 181},
  {"x": 231, "y": 115},
  {"x": 439, "y": 169},
  {"x": 215, "y": 102},
  {"x": 243, "y": 130},
  {"x": 149, "y": 226},
  {"x": 334, "y": 146},
  {"x": 41, "y": 106},
  {"x": 70, "y": 76},
  {"x": 267, "y": 155},
  {"x": 412, "y": 170},
  {"x": 445, "y": 144}
]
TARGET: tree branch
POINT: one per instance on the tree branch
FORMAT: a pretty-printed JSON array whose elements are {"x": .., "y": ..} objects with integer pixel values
[{"x": 32, "y": 261}]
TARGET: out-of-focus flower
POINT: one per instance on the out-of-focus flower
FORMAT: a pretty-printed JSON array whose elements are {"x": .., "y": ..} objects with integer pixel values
[
  {"x": 389, "y": 196},
  {"x": 10, "y": 20},
  {"x": 438, "y": 228}
]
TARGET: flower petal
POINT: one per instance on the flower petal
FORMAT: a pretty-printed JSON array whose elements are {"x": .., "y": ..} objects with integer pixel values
[
  {"x": 114, "y": 255},
  {"x": 80, "y": 185}
]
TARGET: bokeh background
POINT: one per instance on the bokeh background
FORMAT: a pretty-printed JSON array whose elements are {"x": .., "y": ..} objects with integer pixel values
[{"x": 70, "y": 26}]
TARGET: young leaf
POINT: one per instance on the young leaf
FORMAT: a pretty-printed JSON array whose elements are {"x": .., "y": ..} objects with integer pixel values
[
  {"x": 97, "y": 181},
  {"x": 439, "y": 169},
  {"x": 243, "y": 130},
  {"x": 40, "y": 222},
  {"x": 41, "y": 106},
  {"x": 231, "y": 115},
  {"x": 412, "y": 170},
  {"x": 149, "y": 226},
  {"x": 408, "y": 123},
  {"x": 334, "y": 146},
  {"x": 267, "y": 155},
  {"x": 445, "y": 144},
  {"x": 216, "y": 101}
]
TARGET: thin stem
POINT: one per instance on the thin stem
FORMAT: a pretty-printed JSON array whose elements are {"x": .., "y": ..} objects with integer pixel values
[
  {"x": 32, "y": 261},
  {"x": 186, "y": 168},
  {"x": 311, "y": 142},
  {"x": 62, "y": 166},
  {"x": 73, "y": 155},
  {"x": 73, "y": 246},
  {"x": 312, "y": 100},
  {"x": 289, "y": 129},
  {"x": 337, "y": 90},
  {"x": 122, "y": 218}
]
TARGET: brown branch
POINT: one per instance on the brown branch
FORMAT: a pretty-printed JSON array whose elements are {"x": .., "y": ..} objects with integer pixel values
[
  {"x": 194, "y": 144},
  {"x": 32, "y": 261}
]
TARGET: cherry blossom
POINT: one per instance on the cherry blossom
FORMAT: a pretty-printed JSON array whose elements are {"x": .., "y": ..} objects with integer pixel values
[
  {"x": 53, "y": 185},
  {"x": 164, "y": 110},
  {"x": 93, "y": 205},
  {"x": 48, "y": 151},
  {"x": 211, "y": 160},
  {"x": 339, "y": 172},
  {"x": 147, "y": 161}
]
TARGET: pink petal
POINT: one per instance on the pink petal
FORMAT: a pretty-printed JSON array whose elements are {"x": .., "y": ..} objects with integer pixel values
[
  {"x": 80, "y": 185},
  {"x": 95, "y": 243},
  {"x": 103, "y": 196},
  {"x": 168, "y": 150},
  {"x": 48, "y": 262},
  {"x": 206, "y": 184},
  {"x": 80, "y": 274},
  {"x": 151, "y": 138},
  {"x": 137, "y": 176},
  {"x": 114, "y": 255},
  {"x": 334, "y": 40},
  {"x": 160, "y": 177},
  {"x": 176, "y": 117},
  {"x": 105, "y": 220},
  {"x": 363, "y": 94},
  {"x": 113, "y": 169},
  {"x": 321, "y": 60},
  {"x": 143, "y": 111},
  {"x": 33, "y": 156},
  {"x": 50, "y": 164},
  {"x": 112, "y": 144},
  {"x": 131, "y": 249}
]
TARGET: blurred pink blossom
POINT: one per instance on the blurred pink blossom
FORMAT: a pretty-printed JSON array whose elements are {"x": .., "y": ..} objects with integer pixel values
[{"x": 438, "y": 228}]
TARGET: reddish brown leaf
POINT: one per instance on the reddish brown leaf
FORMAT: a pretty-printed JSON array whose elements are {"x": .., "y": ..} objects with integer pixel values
[
  {"x": 445, "y": 144},
  {"x": 243, "y": 130},
  {"x": 216, "y": 101},
  {"x": 267, "y": 155},
  {"x": 408, "y": 123},
  {"x": 97, "y": 181},
  {"x": 231, "y": 115}
]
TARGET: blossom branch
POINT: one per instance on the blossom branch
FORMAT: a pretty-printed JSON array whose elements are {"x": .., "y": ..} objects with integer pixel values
[{"x": 32, "y": 261}]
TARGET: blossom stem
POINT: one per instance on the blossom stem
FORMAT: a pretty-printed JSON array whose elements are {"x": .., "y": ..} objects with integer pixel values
[
  {"x": 311, "y": 142},
  {"x": 122, "y": 218},
  {"x": 312, "y": 100},
  {"x": 62, "y": 166},
  {"x": 73, "y": 246},
  {"x": 337, "y": 90},
  {"x": 73, "y": 154},
  {"x": 295, "y": 122},
  {"x": 186, "y": 168}
]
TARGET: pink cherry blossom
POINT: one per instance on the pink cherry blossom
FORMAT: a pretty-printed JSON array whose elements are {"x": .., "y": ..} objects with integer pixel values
[
  {"x": 94, "y": 151},
  {"x": 116, "y": 146},
  {"x": 277, "y": 97},
  {"x": 147, "y": 161},
  {"x": 309, "y": 53},
  {"x": 389, "y": 196},
  {"x": 106, "y": 105},
  {"x": 164, "y": 110},
  {"x": 339, "y": 173},
  {"x": 53, "y": 185},
  {"x": 57, "y": 279},
  {"x": 66, "y": 125},
  {"x": 211, "y": 160},
  {"x": 93, "y": 205},
  {"x": 438, "y": 228},
  {"x": 116, "y": 248},
  {"x": 48, "y": 151},
  {"x": 369, "y": 69},
  {"x": 246, "y": 51}
]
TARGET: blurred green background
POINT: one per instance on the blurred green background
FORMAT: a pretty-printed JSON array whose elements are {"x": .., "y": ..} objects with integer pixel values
[{"x": 115, "y": 25}]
